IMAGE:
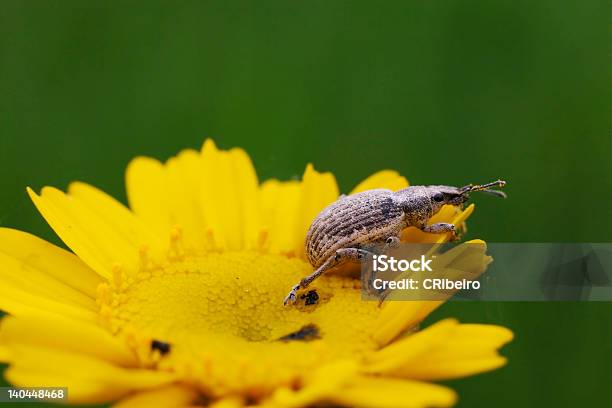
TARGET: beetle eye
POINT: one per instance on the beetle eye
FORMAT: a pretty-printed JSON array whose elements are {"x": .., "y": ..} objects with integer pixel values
[{"x": 438, "y": 197}]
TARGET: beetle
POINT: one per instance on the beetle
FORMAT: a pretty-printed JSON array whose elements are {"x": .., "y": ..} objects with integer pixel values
[{"x": 377, "y": 216}]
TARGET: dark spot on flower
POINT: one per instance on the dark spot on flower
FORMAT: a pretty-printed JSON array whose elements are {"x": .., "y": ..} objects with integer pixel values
[
  {"x": 306, "y": 333},
  {"x": 161, "y": 346},
  {"x": 311, "y": 297}
]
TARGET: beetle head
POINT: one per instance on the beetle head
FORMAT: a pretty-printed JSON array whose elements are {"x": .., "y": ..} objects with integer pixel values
[{"x": 441, "y": 195}]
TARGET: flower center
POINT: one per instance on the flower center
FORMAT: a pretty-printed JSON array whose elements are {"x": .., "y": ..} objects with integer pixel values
[
  {"x": 231, "y": 293},
  {"x": 223, "y": 313}
]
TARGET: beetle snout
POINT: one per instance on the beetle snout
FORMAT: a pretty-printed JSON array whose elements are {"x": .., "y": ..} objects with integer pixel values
[
  {"x": 452, "y": 195},
  {"x": 459, "y": 198}
]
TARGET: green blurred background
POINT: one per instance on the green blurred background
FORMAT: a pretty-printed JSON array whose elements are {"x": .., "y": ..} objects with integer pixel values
[{"x": 446, "y": 92}]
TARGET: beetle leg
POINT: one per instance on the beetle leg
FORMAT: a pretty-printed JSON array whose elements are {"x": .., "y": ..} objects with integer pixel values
[
  {"x": 342, "y": 255},
  {"x": 440, "y": 228},
  {"x": 392, "y": 242}
]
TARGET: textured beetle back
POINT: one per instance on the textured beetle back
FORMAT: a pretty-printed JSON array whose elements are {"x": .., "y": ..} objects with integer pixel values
[{"x": 349, "y": 222}]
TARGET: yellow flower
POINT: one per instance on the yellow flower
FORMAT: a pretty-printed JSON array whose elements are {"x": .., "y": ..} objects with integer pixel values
[{"x": 177, "y": 301}]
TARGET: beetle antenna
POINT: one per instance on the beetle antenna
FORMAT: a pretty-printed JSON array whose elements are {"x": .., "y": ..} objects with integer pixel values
[
  {"x": 495, "y": 193},
  {"x": 485, "y": 188}
]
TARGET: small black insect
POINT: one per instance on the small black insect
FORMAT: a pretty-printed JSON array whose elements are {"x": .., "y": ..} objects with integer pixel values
[
  {"x": 311, "y": 297},
  {"x": 306, "y": 333},
  {"x": 161, "y": 346}
]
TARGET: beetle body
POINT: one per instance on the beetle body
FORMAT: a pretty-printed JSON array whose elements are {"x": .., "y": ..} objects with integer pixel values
[
  {"x": 343, "y": 228},
  {"x": 352, "y": 221}
]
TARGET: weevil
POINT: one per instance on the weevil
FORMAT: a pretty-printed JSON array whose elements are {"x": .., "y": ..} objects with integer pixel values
[{"x": 377, "y": 216}]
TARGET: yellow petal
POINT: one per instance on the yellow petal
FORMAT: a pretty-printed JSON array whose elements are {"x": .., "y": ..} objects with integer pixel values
[
  {"x": 444, "y": 350},
  {"x": 5, "y": 354},
  {"x": 183, "y": 192},
  {"x": 145, "y": 182},
  {"x": 170, "y": 396},
  {"x": 89, "y": 379},
  {"x": 470, "y": 349},
  {"x": 100, "y": 244},
  {"x": 115, "y": 214},
  {"x": 169, "y": 197},
  {"x": 18, "y": 302},
  {"x": 229, "y": 197},
  {"x": 31, "y": 264},
  {"x": 280, "y": 203},
  {"x": 318, "y": 191},
  {"x": 61, "y": 333},
  {"x": 388, "y": 392},
  {"x": 455, "y": 368},
  {"x": 398, "y": 316},
  {"x": 491, "y": 335},
  {"x": 247, "y": 194},
  {"x": 320, "y": 385},
  {"x": 413, "y": 345},
  {"x": 338, "y": 383},
  {"x": 388, "y": 179}
]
